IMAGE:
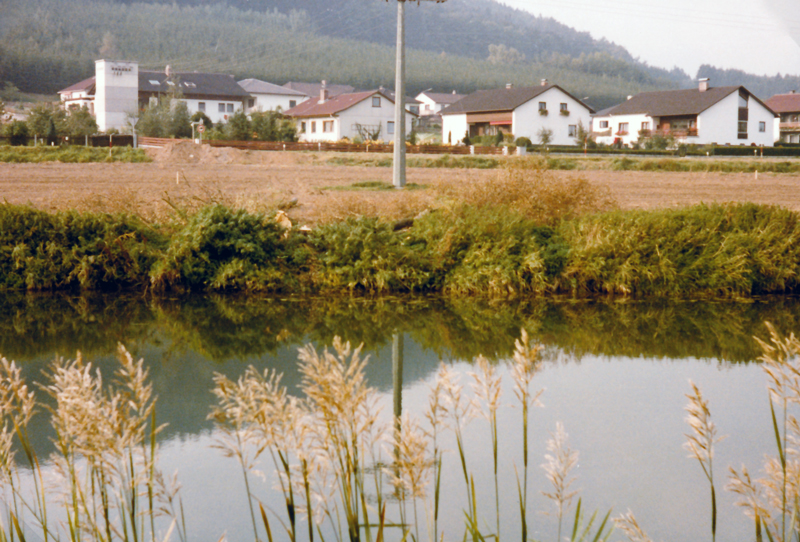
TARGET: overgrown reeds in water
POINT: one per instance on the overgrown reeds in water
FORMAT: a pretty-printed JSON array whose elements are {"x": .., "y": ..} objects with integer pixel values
[
  {"x": 108, "y": 484},
  {"x": 561, "y": 459}
]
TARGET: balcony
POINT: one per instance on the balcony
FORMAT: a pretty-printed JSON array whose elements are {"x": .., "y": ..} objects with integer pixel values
[
  {"x": 790, "y": 127},
  {"x": 677, "y": 134}
]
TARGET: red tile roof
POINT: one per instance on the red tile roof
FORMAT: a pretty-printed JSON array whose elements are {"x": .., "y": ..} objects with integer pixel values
[
  {"x": 784, "y": 103},
  {"x": 332, "y": 106}
]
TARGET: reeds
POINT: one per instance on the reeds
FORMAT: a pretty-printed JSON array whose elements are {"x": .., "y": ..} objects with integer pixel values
[
  {"x": 700, "y": 443},
  {"x": 108, "y": 484}
]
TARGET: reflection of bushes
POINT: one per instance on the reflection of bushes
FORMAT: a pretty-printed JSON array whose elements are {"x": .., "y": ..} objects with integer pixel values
[{"x": 224, "y": 328}]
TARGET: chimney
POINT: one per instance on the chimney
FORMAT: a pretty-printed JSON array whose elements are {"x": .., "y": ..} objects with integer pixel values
[
  {"x": 509, "y": 85},
  {"x": 168, "y": 71},
  {"x": 629, "y": 96},
  {"x": 323, "y": 92},
  {"x": 454, "y": 91},
  {"x": 544, "y": 82},
  {"x": 703, "y": 84}
]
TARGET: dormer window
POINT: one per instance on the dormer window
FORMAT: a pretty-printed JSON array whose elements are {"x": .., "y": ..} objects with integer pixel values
[
  {"x": 154, "y": 82},
  {"x": 190, "y": 85},
  {"x": 171, "y": 83}
]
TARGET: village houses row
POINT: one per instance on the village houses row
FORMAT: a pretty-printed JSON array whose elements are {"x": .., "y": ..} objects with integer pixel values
[{"x": 729, "y": 115}]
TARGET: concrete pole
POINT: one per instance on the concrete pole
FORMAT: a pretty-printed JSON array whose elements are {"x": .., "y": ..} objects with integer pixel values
[
  {"x": 397, "y": 375},
  {"x": 399, "y": 171}
]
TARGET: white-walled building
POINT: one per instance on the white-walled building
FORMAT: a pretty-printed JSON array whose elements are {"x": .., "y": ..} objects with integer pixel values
[
  {"x": 431, "y": 103},
  {"x": 787, "y": 106},
  {"x": 268, "y": 97},
  {"x": 521, "y": 111},
  {"x": 704, "y": 115},
  {"x": 360, "y": 114},
  {"x": 120, "y": 89}
]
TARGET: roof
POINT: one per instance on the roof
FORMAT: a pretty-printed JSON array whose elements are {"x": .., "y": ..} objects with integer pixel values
[
  {"x": 192, "y": 84},
  {"x": 312, "y": 89},
  {"x": 390, "y": 94},
  {"x": 784, "y": 103},
  {"x": 256, "y": 86},
  {"x": 333, "y": 105},
  {"x": 443, "y": 97},
  {"x": 502, "y": 99},
  {"x": 671, "y": 103},
  {"x": 86, "y": 84}
]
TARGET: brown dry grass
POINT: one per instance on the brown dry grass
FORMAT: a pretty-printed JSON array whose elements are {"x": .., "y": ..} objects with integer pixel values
[{"x": 268, "y": 180}]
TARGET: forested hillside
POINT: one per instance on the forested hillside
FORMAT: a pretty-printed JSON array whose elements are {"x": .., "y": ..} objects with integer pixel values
[
  {"x": 762, "y": 86},
  {"x": 462, "y": 44}
]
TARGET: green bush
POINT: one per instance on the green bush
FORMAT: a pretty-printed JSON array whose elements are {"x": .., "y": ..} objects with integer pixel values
[{"x": 17, "y": 133}]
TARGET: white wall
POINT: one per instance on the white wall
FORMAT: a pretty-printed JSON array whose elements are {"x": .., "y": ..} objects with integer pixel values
[
  {"x": 719, "y": 124},
  {"x": 117, "y": 93},
  {"x": 271, "y": 102},
  {"x": 528, "y": 122},
  {"x": 634, "y": 126},
  {"x": 453, "y": 128},
  {"x": 212, "y": 108}
]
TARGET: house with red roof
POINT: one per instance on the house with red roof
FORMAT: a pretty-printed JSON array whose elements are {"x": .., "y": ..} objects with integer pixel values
[
  {"x": 368, "y": 115},
  {"x": 703, "y": 115},
  {"x": 787, "y": 106}
]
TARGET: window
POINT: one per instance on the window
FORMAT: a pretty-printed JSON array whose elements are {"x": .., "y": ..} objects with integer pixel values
[
  {"x": 313, "y": 127},
  {"x": 154, "y": 82},
  {"x": 292, "y": 103},
  {"x": 742, "y": 129},
  {"x": 603, "y": 124},
  {"x": 542, "y": 106},
  {"x": 190, "y": 85},
  {"x": 230, "y": 108},
  {"x": 327, "y": 126},
  {"x": 563, "y": 107},
  {"x": 742, "y": 101},
  {"x": 221, "y": 108},
  {"x": 573, "y": 130},
  {"x": 762, "y": 126},
  {"x": 645, "y": 126},
  {"x": 303, "y": 126},
  {"x": 201, "y": 106},
  {"x": 623, "y": 128},
  {"x": 251, "y": 102},
  {"x": 390, "y": 127},
  {"x": 171, "y": 83},
  {"x": 376, "y": 101}
]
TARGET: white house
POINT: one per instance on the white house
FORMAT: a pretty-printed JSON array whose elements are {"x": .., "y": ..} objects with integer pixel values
[
  {"x": 704, "y": 115},
  {"x": 368, "y": 115},
  {"x": 120, "y": 89},
  {"x": 787, "y": 106},
  {"x": 431, "y": 103},
  {"x": 521, "y": 111},
  {"x": 268, "y": 97}
]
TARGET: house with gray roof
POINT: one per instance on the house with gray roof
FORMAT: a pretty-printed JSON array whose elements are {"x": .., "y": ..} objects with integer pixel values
[
  {"x": 120, "y": 89},
  {"x": 703, "y": 115},
  {"x": 268, "y": 97},
  {"x": 521, "y": 111},
  {"x": 431, "y": 103},
  {"x": 787, "y": 107},
  {"x": 368, "y": 115}
]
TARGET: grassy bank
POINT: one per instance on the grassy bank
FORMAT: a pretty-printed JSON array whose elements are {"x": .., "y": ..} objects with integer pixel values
[
  {"x": 582, "y": 163},
  {"x": 464, "y": 249},
  {"x": 71, "y": 154}
]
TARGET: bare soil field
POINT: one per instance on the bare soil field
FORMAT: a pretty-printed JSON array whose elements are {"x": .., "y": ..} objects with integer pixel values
[{"x": 308, "y": 186}]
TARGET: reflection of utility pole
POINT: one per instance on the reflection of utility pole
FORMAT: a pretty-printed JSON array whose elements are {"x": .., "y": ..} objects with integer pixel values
[{"x": 397, "y": 375}]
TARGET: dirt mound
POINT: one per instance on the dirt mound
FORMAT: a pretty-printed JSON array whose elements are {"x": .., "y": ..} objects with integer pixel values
[{"x": 187, "y": 152}]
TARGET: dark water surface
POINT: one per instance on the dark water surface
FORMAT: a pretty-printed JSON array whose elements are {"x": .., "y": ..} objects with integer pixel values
[{"x": 615, "y": 373}]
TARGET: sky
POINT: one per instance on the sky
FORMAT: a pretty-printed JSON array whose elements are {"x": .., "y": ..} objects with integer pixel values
[{"x": 758, "y": 36}]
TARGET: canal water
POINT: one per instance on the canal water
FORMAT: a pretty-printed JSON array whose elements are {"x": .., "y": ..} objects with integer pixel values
[{"x": 615, "y": 373}]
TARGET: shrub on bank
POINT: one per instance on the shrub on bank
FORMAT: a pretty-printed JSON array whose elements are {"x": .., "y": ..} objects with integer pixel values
[
  {"x": 468, "y": 248},
  {"x": 71, "y": 154}
]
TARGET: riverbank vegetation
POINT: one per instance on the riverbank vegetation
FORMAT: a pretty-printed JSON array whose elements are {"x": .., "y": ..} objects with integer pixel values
[{"x": 523, "y": 233}]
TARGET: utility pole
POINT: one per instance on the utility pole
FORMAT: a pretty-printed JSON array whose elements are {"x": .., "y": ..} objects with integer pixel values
[
  {"x": 399, "y": 166},
  {"x": 399, "y": 163}
]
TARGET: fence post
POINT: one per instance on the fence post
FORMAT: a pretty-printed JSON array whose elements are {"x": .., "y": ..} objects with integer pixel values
[
  {"x": 319, "y": 146},
  {"x": 472, "y": 149}
]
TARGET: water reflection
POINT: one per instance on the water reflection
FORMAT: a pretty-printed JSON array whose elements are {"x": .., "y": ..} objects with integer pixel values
[{"x": 610, "y": 411}]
